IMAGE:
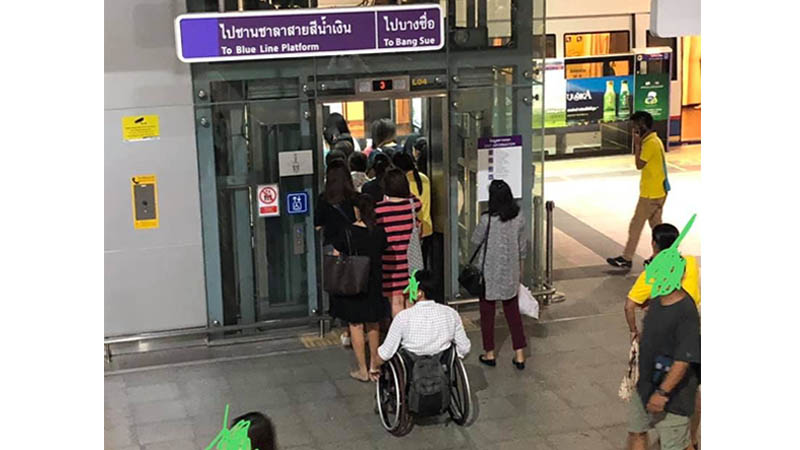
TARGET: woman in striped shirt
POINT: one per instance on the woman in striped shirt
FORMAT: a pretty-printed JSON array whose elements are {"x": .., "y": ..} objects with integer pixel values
[{"x": 396, "y": 214}]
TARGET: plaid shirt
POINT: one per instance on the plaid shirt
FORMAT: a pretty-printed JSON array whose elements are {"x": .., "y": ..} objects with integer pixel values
[{"x": 427, "y": 328}]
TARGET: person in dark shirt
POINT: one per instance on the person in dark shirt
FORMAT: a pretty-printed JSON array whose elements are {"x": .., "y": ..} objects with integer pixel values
[
  {"x": 375, "y": 187},
  {"x": 669, "y": 360},
  {"x": 339, "y": 194}
]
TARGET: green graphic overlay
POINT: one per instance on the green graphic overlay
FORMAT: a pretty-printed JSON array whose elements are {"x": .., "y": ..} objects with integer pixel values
[
  {"x": 665, "y": 272},
  {"x": 651, "y": 94},
  {"x": 413, "y": 288},
  {"x": 234, "y": 438}
]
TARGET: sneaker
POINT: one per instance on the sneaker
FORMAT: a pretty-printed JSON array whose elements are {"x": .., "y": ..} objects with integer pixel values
[
  {"x": 619, "y": 261},
  {"x": 345, "y": 340}
]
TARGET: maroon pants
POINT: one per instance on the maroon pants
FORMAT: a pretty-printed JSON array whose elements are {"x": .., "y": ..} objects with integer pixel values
[{"x": 511, "y": 310}]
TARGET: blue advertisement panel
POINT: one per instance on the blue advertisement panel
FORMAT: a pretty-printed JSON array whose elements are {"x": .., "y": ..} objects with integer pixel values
[{"x": 607, "y": 99}]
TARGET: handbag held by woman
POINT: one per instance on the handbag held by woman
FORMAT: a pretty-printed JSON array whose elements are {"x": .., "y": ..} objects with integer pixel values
[{"x": 345, "y": 275}]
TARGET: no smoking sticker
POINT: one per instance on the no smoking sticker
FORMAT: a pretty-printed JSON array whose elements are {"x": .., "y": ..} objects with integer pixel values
[{"x": 268, "y": 204}]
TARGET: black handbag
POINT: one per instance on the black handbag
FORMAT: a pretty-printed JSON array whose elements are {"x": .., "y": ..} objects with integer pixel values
[
  {"x": 345, "y": 275},
  {"x": 471, "y": 278}
]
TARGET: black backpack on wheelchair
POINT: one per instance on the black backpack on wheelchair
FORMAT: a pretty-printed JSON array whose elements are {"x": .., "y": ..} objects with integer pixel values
[{"x": 429, "y": 387}]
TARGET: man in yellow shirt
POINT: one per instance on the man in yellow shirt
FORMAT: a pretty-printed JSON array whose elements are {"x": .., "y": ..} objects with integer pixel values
[
  {"x": 663, "y": 236},
  {"x": 649, "y": 155}
]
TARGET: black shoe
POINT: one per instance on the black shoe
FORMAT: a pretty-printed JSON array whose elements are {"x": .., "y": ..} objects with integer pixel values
[
  {"x": 619, "y": 261},
  {"x": 518, "y": 365},
  {"x": 488, "y": 362},
  {"x": 648, "y": 261}
]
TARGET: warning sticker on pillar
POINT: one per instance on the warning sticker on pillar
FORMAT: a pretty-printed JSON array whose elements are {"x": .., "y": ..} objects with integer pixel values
[
  {"x": 144, "y": 197},
  {"x": 268, "y": 200}
]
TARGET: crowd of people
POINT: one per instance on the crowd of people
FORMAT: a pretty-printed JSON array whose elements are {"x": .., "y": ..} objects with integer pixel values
[{"x": 373, "y": 202}]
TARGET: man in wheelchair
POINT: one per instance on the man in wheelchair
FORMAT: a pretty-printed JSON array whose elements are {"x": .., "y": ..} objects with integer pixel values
[{"x": 424, "y": 336}]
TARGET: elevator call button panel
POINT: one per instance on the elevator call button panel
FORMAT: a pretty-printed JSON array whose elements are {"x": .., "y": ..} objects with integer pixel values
[{"x": 144, "y": 194}]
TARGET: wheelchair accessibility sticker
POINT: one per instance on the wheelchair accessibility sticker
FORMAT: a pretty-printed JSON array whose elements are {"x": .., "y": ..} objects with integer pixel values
[{"x": 297, "y": 203}]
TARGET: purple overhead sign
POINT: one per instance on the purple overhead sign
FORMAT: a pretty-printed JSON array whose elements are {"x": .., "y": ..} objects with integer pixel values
[{"x": 304, "y": 33}]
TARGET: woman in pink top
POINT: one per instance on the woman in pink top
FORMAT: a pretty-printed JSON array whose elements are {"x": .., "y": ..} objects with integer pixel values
[{"x": 396, "y": 214}]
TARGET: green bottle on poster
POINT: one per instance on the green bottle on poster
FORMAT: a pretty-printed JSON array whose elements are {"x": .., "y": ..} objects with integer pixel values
[
  {"x": 609, "y": 102},
  {"x": 624, "y": 107}
]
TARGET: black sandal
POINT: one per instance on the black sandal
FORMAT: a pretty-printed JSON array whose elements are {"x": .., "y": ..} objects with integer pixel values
[
  {"x": 518, "y": 365},
  {"x": 486, "y": 361}
]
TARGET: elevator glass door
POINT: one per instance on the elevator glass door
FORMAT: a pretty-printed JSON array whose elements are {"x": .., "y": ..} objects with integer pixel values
[{"x": 268, "y": 266}]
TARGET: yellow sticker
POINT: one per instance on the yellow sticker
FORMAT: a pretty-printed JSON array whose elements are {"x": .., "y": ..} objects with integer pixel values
[
  {"x": 140, "y": 128},
  {"x": 144, "y": 198}
]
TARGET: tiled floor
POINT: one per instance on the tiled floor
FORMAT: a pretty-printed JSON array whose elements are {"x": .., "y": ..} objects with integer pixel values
[
  {"x": 565, "y": 398},
  {"x": 602, "y": 194}
]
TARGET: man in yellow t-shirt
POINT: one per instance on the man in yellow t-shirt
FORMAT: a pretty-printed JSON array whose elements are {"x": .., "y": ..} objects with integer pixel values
[{"x": 649, "y": 155}]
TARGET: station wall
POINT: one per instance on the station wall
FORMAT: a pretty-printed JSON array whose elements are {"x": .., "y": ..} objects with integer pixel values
[{"x": 153, "y": 277}]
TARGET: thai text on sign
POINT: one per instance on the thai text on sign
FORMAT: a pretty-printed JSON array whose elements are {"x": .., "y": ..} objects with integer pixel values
[{"x": 308, "y": 32}]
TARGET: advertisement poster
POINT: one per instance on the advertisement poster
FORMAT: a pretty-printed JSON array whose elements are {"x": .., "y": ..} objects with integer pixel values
[
  {"x": 499, "y": 158},
  {"x": 555, "y": 94},
  {"x": 652, "y": 95},
  {"x": 607, "y": 99}
]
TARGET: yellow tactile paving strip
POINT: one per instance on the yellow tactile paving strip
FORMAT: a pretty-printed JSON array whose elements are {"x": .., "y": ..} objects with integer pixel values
[{"x": 332, "y": 339}]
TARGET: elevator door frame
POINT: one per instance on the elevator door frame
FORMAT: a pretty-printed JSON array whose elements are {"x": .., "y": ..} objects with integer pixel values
[{"x": 450, "y": 192}]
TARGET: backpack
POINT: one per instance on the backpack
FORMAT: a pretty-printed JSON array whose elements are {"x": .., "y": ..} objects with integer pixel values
[{"x": 429, "y": 391}]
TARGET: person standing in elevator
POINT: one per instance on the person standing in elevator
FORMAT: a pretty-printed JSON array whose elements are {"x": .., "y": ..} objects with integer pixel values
[
  {"x": 364, "y": 311},
  {"x": 396, "y": 214},
  {"x": 502, "y": 231},
  {"x": 358, "y": 169},
  {"x": 377, "y": 170},
  {"x": 420, "y": 187},
  {"x": 383, "y": 133},
  {"x": 335, "y": 126}
]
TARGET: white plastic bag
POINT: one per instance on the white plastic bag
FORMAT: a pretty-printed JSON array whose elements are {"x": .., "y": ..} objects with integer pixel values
[
  {"x": 527, "y": 304},
  {"x": 628, "y": 385}
]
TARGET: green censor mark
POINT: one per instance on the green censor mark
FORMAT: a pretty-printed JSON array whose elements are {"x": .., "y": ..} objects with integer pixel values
[
  {"x": 413, "y": 288},
  {"x": 665, "y": 272},
  {"x": 234, "y": 438}
]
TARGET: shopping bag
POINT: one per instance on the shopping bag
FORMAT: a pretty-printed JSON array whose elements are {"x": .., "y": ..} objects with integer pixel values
[
  {"x": 527, "y": 304},
  {"x": 628, "y": 386}
]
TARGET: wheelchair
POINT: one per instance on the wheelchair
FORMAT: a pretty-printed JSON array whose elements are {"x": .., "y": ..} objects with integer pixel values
[{"x": 391, "y": 391}]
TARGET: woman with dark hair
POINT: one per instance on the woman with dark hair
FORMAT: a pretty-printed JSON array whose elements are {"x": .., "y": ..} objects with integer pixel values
[
  {"x": 420, "y": 187},
  {"x": 383, "y": 133},
  {"x": 506, "y": 248},
  {"x": 363, "y": 311},
  {"x": 344, "y": 144},
  {"x": 334, "y": 211},
  {"x": 396, "y": 213},
  {"x": 420, "y": 154},
  {"x": 335, "y": 127},
  {"x": 261, "y": 432},
  {"x": 334, "y": 155},
  {"x": 358, "y": 169},
  {"x": 377, "y": 170}
]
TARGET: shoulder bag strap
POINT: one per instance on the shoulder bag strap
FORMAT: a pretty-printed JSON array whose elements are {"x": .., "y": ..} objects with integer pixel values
[
  {"x": 483, "y": 242},
  {"x": 346, "y": 230},
  {"x": 413, "y": 213}
]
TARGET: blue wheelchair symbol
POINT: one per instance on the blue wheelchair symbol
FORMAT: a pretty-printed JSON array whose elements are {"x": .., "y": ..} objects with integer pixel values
[{"x": 297, "y": 203}]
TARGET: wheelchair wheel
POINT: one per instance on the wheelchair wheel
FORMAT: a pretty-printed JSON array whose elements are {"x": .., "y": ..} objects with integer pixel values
[
  {"x": 460, "y": 395},
  {"x": 391, "y": 398}
]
